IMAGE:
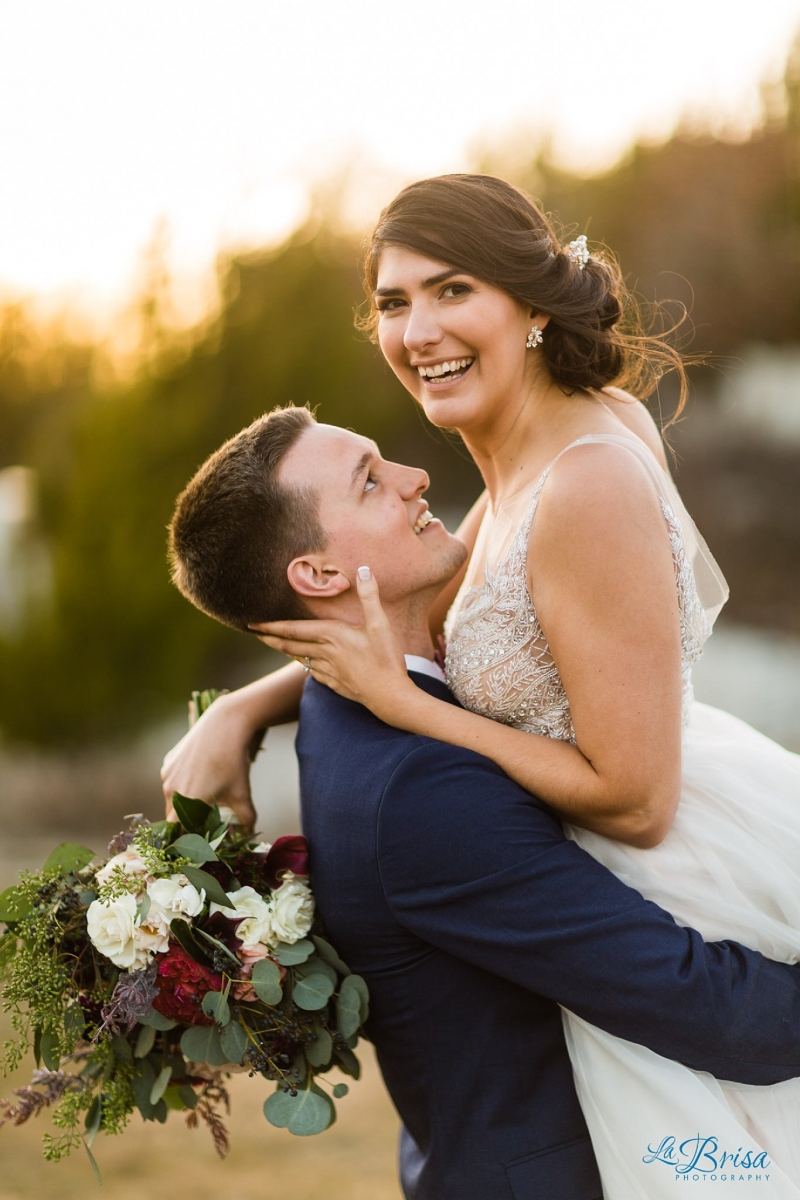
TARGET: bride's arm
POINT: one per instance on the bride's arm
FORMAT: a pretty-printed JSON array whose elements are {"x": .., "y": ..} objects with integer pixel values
[
  {"x": 605, "y": 592},
  {"x": 212, "y": 760}
]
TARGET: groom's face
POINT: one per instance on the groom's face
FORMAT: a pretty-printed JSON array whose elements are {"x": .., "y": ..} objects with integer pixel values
[{"x": 373, "y": 515}]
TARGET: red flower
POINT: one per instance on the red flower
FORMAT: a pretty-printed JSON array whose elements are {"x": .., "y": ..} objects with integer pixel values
[
  {"x": 286, "y": 854},
  {"x": 182, "y": 984}
]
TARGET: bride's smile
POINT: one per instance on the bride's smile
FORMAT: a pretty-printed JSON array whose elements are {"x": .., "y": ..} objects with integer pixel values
[{"x": 454, "y": 341}]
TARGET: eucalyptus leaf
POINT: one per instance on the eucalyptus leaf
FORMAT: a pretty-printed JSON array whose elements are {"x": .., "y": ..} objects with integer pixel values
[
  {"x": 348, "y": 1063},
  {"x": 92, "y": 1122},
  {"x": 326, "y": 951},
  {"x": 318, "y": 1052},
  {"x": 305, "y": 1114},
  {"x": 215, "y": 1004},
  {"x": 122, "y": 1049},
  {"x": 173, "y": 1099},
  {"x": 348, "y": 1011},
  {"x": 214, "y": 891},
  {"x": 143, "y": 908},
  {"x": 143, "y": 1082},
  {"x": 316, "y": 966},
  {"x": 93, "y": 1163},
  {"x": 201, "y": 1043},
  {"x": 289, "y": 955},
  {"x": 160, "y": 1085},
  {"x": 50, "y": 1052},
  {"x": 358, "y": 984},
  {"x": 352, "y": 986},
  {"x": 266, "y": 980},
  {"x": 14, "y": 905},
  {"x": 313, "y": 992},
  {"x": 144, "y": 1042},
  {"x": 213, "y": 820},
  {"x": 182, "y": 932},
  {"x": 157, "y": 1020},
  {"x": 188, "y": 1095},
  {"x": 233, "y": 1040},
  {"x": 339, "y": 1090},
  {"x": 69, "y": 856},
  {"x": 194, "y": 847},
  {"x": 217, "y": 837},
  {"x": 192, "y": 814}
]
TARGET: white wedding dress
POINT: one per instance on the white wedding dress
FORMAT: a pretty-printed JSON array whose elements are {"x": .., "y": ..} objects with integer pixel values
[{"x": 729, "y": 867}]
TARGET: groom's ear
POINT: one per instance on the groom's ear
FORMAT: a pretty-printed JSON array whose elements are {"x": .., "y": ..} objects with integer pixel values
[{"x": 316, "y": 577}]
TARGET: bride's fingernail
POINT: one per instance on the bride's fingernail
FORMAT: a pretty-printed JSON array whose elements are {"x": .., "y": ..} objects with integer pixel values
[{"x": 364, "y": 573}]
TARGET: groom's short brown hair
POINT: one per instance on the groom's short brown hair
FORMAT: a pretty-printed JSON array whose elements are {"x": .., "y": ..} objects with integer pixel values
[{"x": 236, "y": 528}]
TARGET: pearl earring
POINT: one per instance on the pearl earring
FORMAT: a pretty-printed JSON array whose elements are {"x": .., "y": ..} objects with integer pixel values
[{"x": 534, "y": 338}]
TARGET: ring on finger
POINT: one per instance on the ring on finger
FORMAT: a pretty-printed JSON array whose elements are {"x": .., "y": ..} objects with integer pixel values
[{"x": 307, "y": 664}]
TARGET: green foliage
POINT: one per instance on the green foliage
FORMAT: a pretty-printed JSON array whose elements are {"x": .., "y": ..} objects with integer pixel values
[
  {"x": 112, "y": 460},
  {"x": 303, "y": 1113}
]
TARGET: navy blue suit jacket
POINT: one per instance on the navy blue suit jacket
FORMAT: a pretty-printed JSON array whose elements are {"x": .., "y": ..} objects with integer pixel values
[{"x": 471, "y": 916}]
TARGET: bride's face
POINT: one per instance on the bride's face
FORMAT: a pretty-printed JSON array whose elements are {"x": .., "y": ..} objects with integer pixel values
[{"x": 455, "y": 342}]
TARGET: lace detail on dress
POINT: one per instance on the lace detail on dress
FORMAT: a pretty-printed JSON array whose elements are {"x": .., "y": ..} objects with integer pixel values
[
  {"x": 498, "y": 661},
  {"x": 695, "y": 625}
]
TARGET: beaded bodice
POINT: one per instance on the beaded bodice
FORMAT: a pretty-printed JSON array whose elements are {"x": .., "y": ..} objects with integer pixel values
[{"x": 498, "y": 661}]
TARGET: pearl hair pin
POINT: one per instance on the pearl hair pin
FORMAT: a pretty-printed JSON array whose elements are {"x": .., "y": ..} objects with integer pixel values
[{"x": 578, "y": 251}]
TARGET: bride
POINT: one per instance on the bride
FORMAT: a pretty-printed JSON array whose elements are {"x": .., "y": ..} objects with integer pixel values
[{"x": 587, "y": 597}]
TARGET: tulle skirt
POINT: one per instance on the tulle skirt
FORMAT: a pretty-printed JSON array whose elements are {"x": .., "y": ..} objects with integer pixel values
[{"x": 729, "y": 867}]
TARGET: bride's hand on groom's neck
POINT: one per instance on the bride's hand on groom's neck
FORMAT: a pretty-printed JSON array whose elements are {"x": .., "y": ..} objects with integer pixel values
[{"x": 364, "y": 663}]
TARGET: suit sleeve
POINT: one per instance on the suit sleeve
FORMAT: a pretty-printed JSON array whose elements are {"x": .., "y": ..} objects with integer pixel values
[{"x": 496, "y": 883}]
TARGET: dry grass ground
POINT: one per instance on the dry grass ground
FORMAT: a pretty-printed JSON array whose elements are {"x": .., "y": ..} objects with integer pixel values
[{"x": 353, "y": 1160}]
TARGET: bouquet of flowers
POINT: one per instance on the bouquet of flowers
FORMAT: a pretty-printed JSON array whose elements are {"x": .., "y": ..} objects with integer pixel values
[{"x": 142, "y": 981}]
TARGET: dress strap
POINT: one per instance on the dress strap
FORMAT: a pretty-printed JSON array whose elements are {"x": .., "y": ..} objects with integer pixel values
[{"x": 712, "y": 588}]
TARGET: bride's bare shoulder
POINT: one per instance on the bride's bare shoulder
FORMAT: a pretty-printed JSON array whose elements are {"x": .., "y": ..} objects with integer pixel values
[{"x": 635, "y": 417}]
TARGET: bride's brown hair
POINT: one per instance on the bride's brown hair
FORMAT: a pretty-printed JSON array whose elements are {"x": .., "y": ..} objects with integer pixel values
[{"x": 492, "y": 230}]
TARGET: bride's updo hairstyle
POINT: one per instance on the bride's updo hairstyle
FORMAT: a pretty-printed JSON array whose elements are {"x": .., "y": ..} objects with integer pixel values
[{"x": 490, "y": 229}]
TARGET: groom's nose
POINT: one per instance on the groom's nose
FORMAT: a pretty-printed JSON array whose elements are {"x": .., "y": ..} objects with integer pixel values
[{"x": 412, "y": 482}]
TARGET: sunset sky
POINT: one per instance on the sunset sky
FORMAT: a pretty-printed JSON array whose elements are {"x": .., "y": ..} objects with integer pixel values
[{"x": 217, "y": 117}]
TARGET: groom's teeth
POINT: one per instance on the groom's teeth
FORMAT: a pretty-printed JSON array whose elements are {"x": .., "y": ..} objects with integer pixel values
[
  {"x": 445, "y": 368},
  {"x": 423, "y": 520}
]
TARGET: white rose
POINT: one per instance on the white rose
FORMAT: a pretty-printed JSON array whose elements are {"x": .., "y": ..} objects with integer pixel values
[
  {"x": 149, "y": 940},
  {"x": 257, "y": 924},
  {"x": 115, "y": 931},
  {"x": 112, "y": 929},
  {"x": 176, "y": 896},
  {"x": 131, "y": 862},
  {"x": 262, "y": 848},
  {"x": 293, "y": 909}
]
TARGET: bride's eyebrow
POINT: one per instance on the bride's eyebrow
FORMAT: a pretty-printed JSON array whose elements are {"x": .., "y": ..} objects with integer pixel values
[{"x": 430, "y": 282}]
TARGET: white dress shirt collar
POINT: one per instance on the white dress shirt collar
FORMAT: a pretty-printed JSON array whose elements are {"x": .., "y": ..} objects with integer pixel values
[{"x": 424, "y": 666}]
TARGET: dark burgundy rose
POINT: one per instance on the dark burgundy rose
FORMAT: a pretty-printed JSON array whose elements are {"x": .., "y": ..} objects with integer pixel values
[
  {"x": 287, "y": 854},
  {"x": 224, "y": 928},
  {"x": 182, "y": 984}
]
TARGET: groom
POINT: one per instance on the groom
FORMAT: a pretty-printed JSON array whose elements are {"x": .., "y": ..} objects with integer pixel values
[{"x": 452, "y": 891}]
